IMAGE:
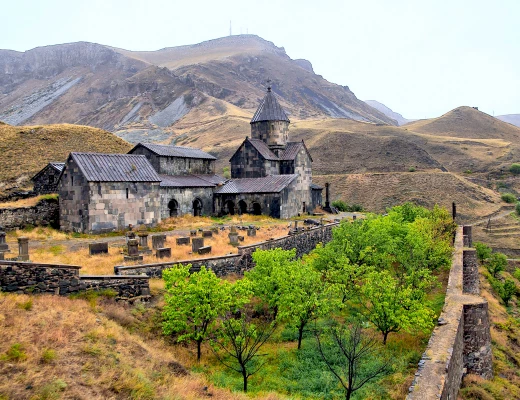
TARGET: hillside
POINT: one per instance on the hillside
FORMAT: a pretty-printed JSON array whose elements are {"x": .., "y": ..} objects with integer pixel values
[
  {"x": 388, "y": 112},
  {"x": 115, "y": 89},
  {"x": 27, "y": 149},
  {"x": 513, "y": 119}
]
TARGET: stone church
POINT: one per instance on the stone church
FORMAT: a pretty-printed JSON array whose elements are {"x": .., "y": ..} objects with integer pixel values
[{"x": 269, "y": 176}]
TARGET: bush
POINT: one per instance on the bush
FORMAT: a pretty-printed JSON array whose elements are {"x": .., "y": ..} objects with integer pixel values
[
  {"x": 509, "y": 198},
  {"x": 340, "y": 205},
  {"x": 411, "y": 169},
  {"x": 15, "y": 353},
  {"x": 508, "y": 290},
  {"x": 517, "y": 208},
  {"x": 48, "y": 355},
  {"x": 515, "y": 169},
  {"x": 496, "y": 264},
  {"x": 483, "y": 251}
]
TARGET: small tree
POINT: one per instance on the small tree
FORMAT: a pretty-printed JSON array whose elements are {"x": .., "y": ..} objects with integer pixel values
[
  {"x": 509, "y": 198},
  {"x": 240, "y": 339},
  {"x": 515, "y": 169},
  {"x": 496, "y": 263},
  {"x": 483, "y": 251},
  {"x": 359, "y": 353},
  {"x": 193, "y": 303},
  {"x": 340, "y": 205},
  {"x": 507, "y": 291}
]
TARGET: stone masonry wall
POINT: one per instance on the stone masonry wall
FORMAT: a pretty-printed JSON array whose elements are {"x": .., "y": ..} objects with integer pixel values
[
  {"x": 46, "y": 212},
  {"x": 461, "y": 343},
  {"x": 185, "y": 197},
  {"x": 303, "y": 242},
  {"x": 33, "y": 278}
]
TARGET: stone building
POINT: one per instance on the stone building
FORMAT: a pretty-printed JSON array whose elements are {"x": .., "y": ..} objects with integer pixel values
[
  {"x": 105, "y": 192},
  {"x": 270, "y": 175},
  {"x": 46, "y": 181}
]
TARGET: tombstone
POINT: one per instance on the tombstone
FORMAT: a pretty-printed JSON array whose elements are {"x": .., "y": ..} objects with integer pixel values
[
  {"x": 233, "y": 229},
  {"x": 354, "y": 217},
  {"x": 296, "y": 226},
  {"x": 129, "y": 236},
  {"x": 193, "y": 233},
  {"x": 2, "y": 256},
  {"x": 321, "y": 222},
  {"x": 23, "y": 249},
  {"x": 240, "y": 238},
  {"x": 214, "y": 229},
  {"x": 182, "y": 240},
  {"x": 196, "y": 244},
  {"x": 158, "y": 241},
  {"x": 97, "y": 248},
  {"x": 207, "y": 234},
  {"x": 251, "y": 232},
  {"x": 3, "y": 244},
  {"x": 204, "y": 250},
  {"x": 133, "y": 251},
  {"x": 143, "y": 240},
  {"x": 233, "y": 238},
  {"x": 164, "y": 252}
]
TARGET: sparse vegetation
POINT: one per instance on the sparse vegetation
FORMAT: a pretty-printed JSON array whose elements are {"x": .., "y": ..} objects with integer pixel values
[
  {"x": 515, "y": 169},
  {"x": 508, "y": 198},
  {"x": 517, "y": 208},
  {"x": 411, "y": 169},
  {"x": 344, "y": 207},
  {"x": 483, "y": 251}
]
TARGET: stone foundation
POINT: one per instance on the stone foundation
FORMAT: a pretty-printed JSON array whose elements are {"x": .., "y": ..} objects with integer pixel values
[{"x": 45, "y": 213}]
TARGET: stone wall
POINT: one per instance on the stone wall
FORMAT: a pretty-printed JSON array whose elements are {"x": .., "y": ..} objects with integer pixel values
[
  {"x": 176, "y": 165},
  {"x": 272, "y": 132},
  {"x": 461, "y": 343},
  {"x": 247, "y": 162},
  {"x": 303, "y": 242},
  {"x": 46, "y": 212},
  {"x": 185, "y": 197},
  {"x": 46, "y": 181},
  {"x": 32, "y": 278}
]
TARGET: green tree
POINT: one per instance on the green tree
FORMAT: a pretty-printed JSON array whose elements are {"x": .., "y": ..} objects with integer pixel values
[
  {"x": 496, "y": 263},
  {"x": 194, "y": 302},
  {"x": 483, "y": 251},
  {"x": 508, "y": 198},
  {"x": 392, "y": 305},
  {"x": 361, "y": 359},
  {"x": 238, "y": 341},
  {"x": 507, "y": 291}
]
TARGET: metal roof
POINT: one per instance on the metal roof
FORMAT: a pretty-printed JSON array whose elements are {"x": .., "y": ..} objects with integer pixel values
[
  {"x": 266, "y": 184},
  {"x": 58, "y": 166},
  {"x": 292, "y": 149},
  {"x": 316, "y": 187},
  {"x": 269, "y": 109},
  {"x": 175, "y": 151},
  {"x": 115, "y": 167},
  {"x": 263, "y": 149},
  {"x": 190, "y": 180}
]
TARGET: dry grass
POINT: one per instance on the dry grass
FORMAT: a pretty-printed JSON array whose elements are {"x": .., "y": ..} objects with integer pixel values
[
  {"x": 30, "y": 202},
  {"x": 70, "y": 351}
]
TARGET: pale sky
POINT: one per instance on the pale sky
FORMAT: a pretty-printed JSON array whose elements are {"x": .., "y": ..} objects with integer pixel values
[{"x": 420, "y": 58}]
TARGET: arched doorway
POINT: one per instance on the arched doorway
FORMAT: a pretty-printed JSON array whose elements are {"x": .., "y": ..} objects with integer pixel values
[
  {"x": 257, "y": 208},
  {"x": 173, "y": 206},
  {"x": 197, "y": 208},
  {"x": 229, "y": 207},
  {"x": 242, "y": 206}
]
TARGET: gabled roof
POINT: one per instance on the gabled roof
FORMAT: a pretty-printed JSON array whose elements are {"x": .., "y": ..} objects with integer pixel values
[
  {"x": 190, "y": 180},
  {"x": 266, "y": 184},
  {"x": 57, "y": 166},
  {"x": 97, "y": 167},
  {"x": 175, "y": 151},
  {"x": 316, "y": 187},
  {"x": 292, "y": 149},
  {"x": 269, "y": 109},
  {"x": 260, "y": 146}
]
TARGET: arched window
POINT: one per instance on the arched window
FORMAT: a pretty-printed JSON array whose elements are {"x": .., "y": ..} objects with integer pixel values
[
  {"x": 197, "y": 208},
  {"x": 242, "y": 206},
  {"x": 257, "y": 208},
  {"x": 229, "y": 207},
  {"x": 173, "y": 206}
]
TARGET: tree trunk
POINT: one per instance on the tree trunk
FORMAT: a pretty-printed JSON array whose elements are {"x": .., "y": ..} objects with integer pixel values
[
  {"x": 199, "y": 342},
  {"x": 385, "y": 335},
  {"x": 300, "y": 335},
  {"x": 348, "y": 394},
  {"x": 244, "y": 375}
]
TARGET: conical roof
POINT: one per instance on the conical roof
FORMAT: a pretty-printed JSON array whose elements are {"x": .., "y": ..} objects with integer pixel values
[{"x": 269, "y": 109}]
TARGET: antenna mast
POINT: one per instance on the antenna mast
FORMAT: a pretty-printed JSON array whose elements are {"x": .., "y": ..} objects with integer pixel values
[{"x": 230, "y": 32}]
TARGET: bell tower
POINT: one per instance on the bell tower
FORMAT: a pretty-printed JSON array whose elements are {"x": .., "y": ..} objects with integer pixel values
[{"x": 270, "y": 123}]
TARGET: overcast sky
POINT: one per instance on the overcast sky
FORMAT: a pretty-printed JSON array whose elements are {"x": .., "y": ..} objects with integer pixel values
[{"x": 420, "y": 58}]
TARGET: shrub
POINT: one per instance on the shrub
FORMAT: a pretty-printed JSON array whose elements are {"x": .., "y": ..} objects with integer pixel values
[
  {"x": 15, "y": 353},
  {"x": 515, "y": 169},
  {"x": 509, "y": 198},
  {"x": 516, "y": 274},
  {"x": 48, "y": 355},
  {"x": 508, "y": 290},
  {"x": 496, "y": 263},
  {"x": 411, "y": 169},
  {"x": 26, "y": 305},
  {"x": 356, "y": 208},
  {"x": 340, "y": 205},
  {"x": 517, "y": 208},
  {"x": 483, "y": 251}
]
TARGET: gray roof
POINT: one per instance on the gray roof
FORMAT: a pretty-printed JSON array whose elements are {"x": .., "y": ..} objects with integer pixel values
[
  {"x": 58, "y": 166},
  {"x": 292, "y": 149},
  {"x": 263, "y": 149},
  {"x": 98, "y": 167},
  {"x": 269, "y": 110},
  {"x": 175, "y": 151},
  {"x": 267, "y": 184},
  {"x": 190, "y": 180},
  {"x": 316, "y": 187}
]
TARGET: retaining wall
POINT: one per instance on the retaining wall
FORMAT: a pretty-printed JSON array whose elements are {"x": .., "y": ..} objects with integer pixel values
[
  {"x": 28, "y": 277},
  {"x": 46, "y": 212},
  {"x": 461, "y": 343},
  {"x": 304, "y": 242}
]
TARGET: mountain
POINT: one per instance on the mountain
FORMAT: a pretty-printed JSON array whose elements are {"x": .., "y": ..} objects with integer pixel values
[
  {"x": 388, "y": 112},
  {"x": 513, "y": 119},
  {"x": 116, "y": 89}
]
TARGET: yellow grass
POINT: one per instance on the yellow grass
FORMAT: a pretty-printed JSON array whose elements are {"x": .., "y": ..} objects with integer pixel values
[{"x": 30, "y": 202}]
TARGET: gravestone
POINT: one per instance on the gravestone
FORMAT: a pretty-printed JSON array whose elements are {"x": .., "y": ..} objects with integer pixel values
[
  {"x": 214, "y": 229},
  {"x": 97, "y": 248},
  {"x": 193, "y": 232},
  {"x": 196, "y": 244},
  {"x": 23, "y": 249},
  {"x": 133, "y": 251},
  {"x": 233, "y": 236},
  {"x": 251, "y": 231},
  {"x": 182, "y": 240},
  {"x": 354, "y": 217},
  {"x": 3, "y": 244},
  {"x": 207, "y": 234},
  {"x": 165, "y": 252},
  {"x": 240, "y": 238},
  {"x": 143, "y": 240},
  {"x": 158, "y": 241},
  {"x": 204, "y": 250}
]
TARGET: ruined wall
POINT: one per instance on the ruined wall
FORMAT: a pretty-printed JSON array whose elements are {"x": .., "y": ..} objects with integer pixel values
[
  {"x": 33, "y": 278},
  {"x": 461, "y": 343},
  {"x": 304, "y": 242},
  {"x": 46, "y": 212}
]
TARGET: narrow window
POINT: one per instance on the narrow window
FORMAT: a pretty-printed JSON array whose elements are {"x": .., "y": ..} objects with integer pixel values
[
  {"x": 127, "y": 193},
  {"x": 71, "y": 180}
]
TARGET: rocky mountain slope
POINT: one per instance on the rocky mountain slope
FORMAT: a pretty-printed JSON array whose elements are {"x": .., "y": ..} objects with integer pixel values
[
  {"x": 388, "y": 112},
  {"x": 115, "y": 89}
]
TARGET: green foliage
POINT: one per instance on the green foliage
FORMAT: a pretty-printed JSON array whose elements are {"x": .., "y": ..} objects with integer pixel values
[
  {"x": 483, "y": 252},
  {"x": 517, "y": 208},
  {"x": 508, "y": 290},
  {"x": 195, "y": 301},
  {"x": 226, "y": 173},
  {"x": 508, "y": 198},
  {"x": 515, "y": 169},
  {"x": 516, "y": 274},
  {"x": 26, "y": 305},
  {"x": 411, "y": 169},
  {"x": 496, "y": 263},
  {"x": 340, "y": 205},
  {"x": 52, "y": 390},
  {"x": 48, "y": 356},
  {"x": 15, "y": 353}
]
